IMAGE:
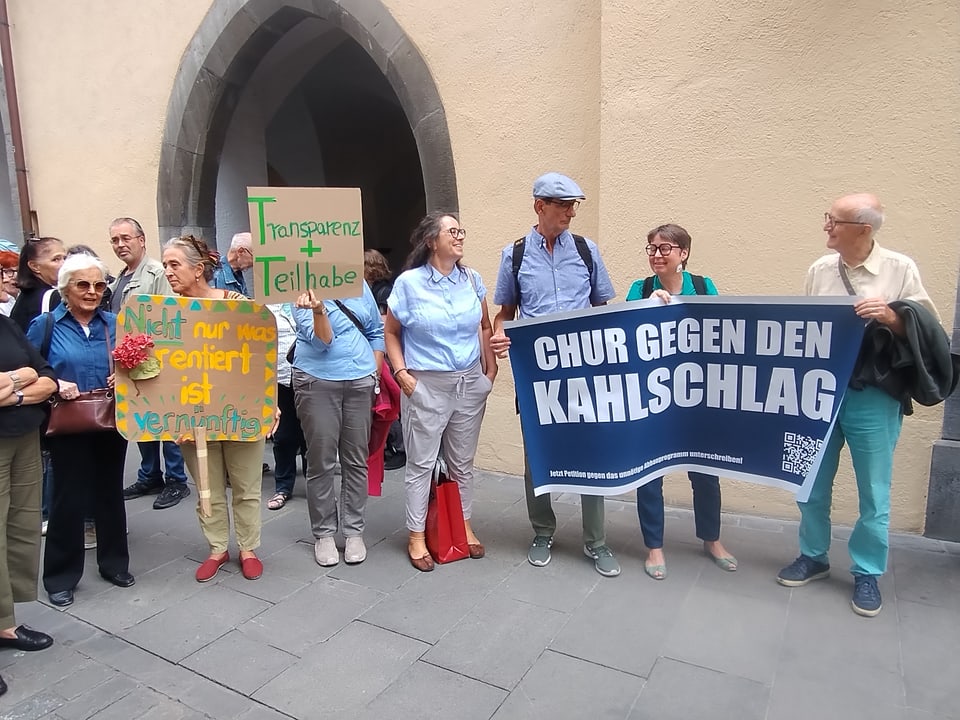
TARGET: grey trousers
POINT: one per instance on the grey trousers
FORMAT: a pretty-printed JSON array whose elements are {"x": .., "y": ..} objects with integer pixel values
[
  {"x": 335, "y": 416},
  {"x": 443, "y": 415}
]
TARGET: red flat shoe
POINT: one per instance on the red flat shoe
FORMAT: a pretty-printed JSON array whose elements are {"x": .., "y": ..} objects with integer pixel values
[
  {"x": 251, "y": 567},
  {"x": 210, "y": 567}
]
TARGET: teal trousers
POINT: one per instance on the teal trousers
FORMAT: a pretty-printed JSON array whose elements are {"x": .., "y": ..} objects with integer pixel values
[{"x": 869, "y": 422}]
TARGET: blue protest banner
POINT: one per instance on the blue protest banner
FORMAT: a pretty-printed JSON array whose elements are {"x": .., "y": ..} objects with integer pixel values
[{"x": 746, "y": 388}]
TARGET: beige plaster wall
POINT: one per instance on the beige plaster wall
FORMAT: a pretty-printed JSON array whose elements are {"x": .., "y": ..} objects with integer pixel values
[
  {"x": 94, "y": 79},
  {"x": 740, "y": 121}
]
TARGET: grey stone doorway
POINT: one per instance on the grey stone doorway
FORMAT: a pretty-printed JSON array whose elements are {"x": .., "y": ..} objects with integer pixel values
[{"x": 273, "y": 59}]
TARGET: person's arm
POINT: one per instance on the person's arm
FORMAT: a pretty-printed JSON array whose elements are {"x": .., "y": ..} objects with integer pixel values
[
  {"x": 373, "y": 328},
  {"x": 486, "y": 350},
  {"x": 322, "y": 329},
  {"x": 392, "y": 330},
  {"x": 35, "y": 393},
  {"x": 499, "y": 342}
]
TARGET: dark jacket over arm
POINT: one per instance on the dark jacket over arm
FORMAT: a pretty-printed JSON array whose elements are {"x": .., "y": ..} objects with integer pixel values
[{"x": 918, "y": 366}]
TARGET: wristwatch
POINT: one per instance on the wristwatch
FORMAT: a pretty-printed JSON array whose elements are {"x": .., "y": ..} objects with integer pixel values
[{"x": 19, "y": 398}]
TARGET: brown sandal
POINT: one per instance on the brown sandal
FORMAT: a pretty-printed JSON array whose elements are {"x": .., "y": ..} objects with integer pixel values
[
  {"x": 277, "y": 501},
  {"x": 477, "y": 551}
]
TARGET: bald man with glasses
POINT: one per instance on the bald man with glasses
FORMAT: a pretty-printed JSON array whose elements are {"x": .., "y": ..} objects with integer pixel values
[{"x": 870, "y": 417}]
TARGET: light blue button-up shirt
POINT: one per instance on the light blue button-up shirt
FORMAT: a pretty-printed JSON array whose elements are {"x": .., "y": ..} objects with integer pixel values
[
  {"x": 440, "y": 315},
  {"x": 552, "y": 282},
  {"x": 349, "y": 356}
]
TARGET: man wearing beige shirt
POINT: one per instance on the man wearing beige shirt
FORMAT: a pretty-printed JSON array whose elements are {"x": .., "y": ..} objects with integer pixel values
[{"x": 869, "y": 419}]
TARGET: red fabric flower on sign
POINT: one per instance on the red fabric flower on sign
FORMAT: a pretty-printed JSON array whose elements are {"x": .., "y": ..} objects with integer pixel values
[{"x": 132, "y": 350}]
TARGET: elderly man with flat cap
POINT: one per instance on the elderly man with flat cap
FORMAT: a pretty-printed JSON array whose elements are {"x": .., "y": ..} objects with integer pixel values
[
  {"x": 550, "y": 271},
  {"x": 900, "y": 315}
]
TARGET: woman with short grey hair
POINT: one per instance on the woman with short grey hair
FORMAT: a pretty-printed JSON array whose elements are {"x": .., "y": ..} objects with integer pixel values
[{"x": 77, "y": 338}]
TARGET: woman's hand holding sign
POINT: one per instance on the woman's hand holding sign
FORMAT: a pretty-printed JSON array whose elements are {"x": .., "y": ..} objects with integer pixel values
[{"x": 321, "y": 321}]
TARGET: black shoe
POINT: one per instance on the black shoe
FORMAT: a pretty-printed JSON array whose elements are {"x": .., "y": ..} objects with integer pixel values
[
  {"x": 3, "y": 686},
  {"x": 120, "y": 579},
  {"x": 171, "y": 494},
  {"x": 265, "y": 470},
  {"x": 27, "y": 639},
  {"x": 64, "y": 598},
  {"x": 140, "y": 488},
  {"x": 395, "y": 461}
]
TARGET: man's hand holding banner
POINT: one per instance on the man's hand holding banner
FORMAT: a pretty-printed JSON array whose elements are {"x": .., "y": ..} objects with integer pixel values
[{"x": 747, "y": 388}]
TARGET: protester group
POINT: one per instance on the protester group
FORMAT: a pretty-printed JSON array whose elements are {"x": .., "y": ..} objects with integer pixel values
[{"x": 424, "y": 344}]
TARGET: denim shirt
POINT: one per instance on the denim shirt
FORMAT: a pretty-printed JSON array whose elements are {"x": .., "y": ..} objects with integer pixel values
[
  {"x": 74, "y": 356},
  {"x": 349, "y": 355},
  {"x": 440, "y": 315},
  {"x": 225, "y": 279},
  {"x": 552, "y": 282}
]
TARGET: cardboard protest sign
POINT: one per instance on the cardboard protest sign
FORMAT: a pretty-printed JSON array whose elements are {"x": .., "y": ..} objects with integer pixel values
[
  {"x": 306, "y": 239},
  {"x": 217, "y": 369}
]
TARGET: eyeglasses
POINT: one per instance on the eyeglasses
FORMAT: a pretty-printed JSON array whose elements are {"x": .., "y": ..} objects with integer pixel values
[
  {"x": 457, "y": 233},
  {"x": 664, "y": 248},
  {"x": 85, "y": 285},
  {"x": 8, "y": 272},
  {"x": 565, "y": 204},
  {"x": 124, "y": 239},
  {"x": 831, "y": 222}
]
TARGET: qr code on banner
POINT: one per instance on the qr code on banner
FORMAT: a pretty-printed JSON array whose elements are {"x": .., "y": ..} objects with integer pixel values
[{"x": 799, "y": 452}]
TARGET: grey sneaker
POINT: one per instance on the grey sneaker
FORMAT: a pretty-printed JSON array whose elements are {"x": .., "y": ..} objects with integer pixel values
[
  {"x": 603, "y": 560},
  {"x": 539, "y": 552},
  {"x": 325, "y": 552},
  {"x": 354, "y": 551}
]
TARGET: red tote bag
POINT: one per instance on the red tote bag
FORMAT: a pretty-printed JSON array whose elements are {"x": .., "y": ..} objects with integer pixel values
[{"x": 446, "y": 534}]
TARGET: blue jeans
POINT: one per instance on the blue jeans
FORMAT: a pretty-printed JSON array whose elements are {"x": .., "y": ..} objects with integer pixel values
[
  {"x": 706, "y": 509},
  {"x": 869, "y": 421},
  {"x": 150, "y": 471}
]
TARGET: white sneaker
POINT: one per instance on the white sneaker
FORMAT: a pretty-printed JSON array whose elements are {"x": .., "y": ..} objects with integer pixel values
[
  {"x": 43, "y": 528},
  {"x": 355, "y": 551},
  {"x": 326, "y": 553}
]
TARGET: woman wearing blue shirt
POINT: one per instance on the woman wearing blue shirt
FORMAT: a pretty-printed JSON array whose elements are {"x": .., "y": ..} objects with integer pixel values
[
  {"x": 89, "y": 465},
  {"x": 668, "y": 249},
  {"x": 336, "y": 366},
  {"x": 436, "y": 316}
]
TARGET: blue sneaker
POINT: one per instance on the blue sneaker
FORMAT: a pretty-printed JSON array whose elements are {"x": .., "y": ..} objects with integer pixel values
[
  {"x": 866, "y": 596},
  {"x": 803, "y": 570}
]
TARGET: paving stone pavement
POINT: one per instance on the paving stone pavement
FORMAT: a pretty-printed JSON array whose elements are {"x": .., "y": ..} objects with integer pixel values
[{"x": 495, "y": 638}]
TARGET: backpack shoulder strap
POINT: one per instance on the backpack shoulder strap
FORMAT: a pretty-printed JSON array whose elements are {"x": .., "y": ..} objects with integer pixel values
[
  {"x": 585, "y": 255},
  {"x": 699, "y": 285},
  {"x": 519, "y": 247},
  {"x": 47, "y": 335},
  {"x": 647, "y": 287}
]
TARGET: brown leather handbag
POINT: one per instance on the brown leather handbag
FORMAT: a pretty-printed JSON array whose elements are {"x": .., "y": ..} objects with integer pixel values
[{"x": 92, "y": 411}]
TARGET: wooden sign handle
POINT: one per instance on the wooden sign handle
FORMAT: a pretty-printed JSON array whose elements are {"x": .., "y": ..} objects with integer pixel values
[{"x": 203, "y": 482}]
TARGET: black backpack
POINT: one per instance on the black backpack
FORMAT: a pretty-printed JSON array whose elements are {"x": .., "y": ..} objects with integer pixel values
[
  {"x": 699, "y": 286},
  {"x": 520, "y": 246}
]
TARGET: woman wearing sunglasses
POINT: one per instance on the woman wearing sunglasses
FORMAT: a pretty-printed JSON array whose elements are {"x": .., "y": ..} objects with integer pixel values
[
  {"x": 77, "y": 338},
  {"x": 668, "y": 250}
]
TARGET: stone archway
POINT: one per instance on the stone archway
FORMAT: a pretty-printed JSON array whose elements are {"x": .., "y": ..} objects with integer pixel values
[{"x": 223, "y": 54}]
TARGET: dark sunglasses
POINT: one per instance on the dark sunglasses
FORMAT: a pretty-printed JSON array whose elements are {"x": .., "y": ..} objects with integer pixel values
[{"x": 85, "y": 285}]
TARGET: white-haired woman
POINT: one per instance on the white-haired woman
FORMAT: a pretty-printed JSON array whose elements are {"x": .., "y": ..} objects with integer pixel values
[{"x": 76, "y": 338}]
